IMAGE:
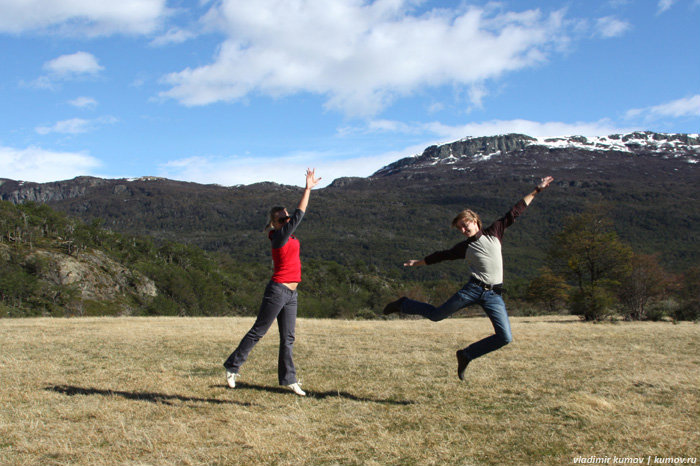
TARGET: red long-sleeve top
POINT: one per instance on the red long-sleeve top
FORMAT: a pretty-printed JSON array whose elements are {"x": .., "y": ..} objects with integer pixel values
[{"x": 285, "y": 251}]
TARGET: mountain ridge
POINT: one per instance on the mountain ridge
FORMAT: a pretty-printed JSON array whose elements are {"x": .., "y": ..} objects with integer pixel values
[
  {"x": 472, "y": 149},
  {"x": 483, "y": 148},
  {"x": 404, "y": 209}
]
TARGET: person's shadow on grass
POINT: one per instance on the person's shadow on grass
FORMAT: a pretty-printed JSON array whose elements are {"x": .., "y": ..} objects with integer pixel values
[
  {"x": 151, "y": 397},
  {"x": 316, "y": 395}
]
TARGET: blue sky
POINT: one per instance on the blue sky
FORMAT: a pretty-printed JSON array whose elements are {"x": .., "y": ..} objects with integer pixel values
[{"x": 238, "y": 91}]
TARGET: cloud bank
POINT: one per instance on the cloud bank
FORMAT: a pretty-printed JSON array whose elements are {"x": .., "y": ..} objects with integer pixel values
[
  {"x": 361, "y": 55},
  {"x": 41, "y": 166},
  {"x": 684, "y": 107},
  {"x": 289, "y": 169},
  {"x": 82, "y": 17}
]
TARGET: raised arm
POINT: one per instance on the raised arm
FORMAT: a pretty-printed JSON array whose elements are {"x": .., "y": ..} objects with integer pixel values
[
  {"x": 543, "y": 184},
  {"x": 311, "y": 181}
]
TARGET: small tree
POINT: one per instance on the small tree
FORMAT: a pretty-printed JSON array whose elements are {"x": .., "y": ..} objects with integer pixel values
[
  {"x": 645, "y": 281},
  {"x": 548, "y": 289},
  {"x": 690, "y": 295},
  {"x": 589, "y": 253}
]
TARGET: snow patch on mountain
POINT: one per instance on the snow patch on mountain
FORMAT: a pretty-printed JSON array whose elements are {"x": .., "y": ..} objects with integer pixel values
[
  {"x": 684, "y": 146},
  {"x": 475, "y": 150},
  {"x": 689, "y": 144}
]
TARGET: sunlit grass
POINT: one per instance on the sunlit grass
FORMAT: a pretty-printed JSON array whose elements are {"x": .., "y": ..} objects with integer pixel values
[{"x": 104, "y": 391}]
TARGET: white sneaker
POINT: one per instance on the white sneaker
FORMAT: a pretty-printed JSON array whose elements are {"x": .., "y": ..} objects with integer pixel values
[
  {"x": 297, "y": 389},
  {"x": 231, "y": 378}
]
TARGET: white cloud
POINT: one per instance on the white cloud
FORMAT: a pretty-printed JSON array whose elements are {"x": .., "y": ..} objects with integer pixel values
[
  {"x": 436, "y": 107},
  {"x": 39, "y": 165},
  {"x": 610, "y": 26},
  {"x": 685, "y": 107},
  {"x": 82, "y": 17},
  {"x": 173, "y": 36},
  {"x": 75, "y": 125},
  {"x": 477, "y": 92},
  {"x": 392, "y": 126},
  {"x": 446, "y": 133},
  {"x": 289, "y": 169},
  {"x": 531, "y": 128},
  {"x": 72, "y": 126},
  {"x": 76, "y": 64},
  {"x": 664, "y": 5},
  {"x": 83, "y": 102},
  {"x": 67, "y": 67},
  {"x": 362, "y": 55},
  {"x": 42, "y": 82}
]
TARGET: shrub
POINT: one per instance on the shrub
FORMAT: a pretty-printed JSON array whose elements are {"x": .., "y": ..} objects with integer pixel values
[
  {"x": 690, "y": 296},
  {"x": 688, "y": 311},
  {"x": 592, "y": 303}
]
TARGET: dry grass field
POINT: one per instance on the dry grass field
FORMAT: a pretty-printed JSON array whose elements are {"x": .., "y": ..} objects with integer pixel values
[{"x": 151, "y": 391}]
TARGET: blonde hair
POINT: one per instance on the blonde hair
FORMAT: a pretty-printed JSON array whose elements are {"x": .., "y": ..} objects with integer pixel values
[
  {"x": 468, "y": 215},
  {"x": 272, "y": 216}
]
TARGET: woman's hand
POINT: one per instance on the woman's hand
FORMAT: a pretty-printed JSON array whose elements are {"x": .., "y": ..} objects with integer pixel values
[{"x": 311, "y": 179}]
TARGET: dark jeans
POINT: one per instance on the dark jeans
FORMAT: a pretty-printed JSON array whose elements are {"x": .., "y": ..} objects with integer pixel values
[
  {"x": 279, "y": 302},
  {"x": 471, "y": 293}
]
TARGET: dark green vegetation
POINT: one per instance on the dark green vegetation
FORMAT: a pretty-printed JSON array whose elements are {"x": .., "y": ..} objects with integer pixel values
[
  {"x": 596, "y": 275},
  {"x": 51, "y": 264},
  {"x": 359, "y": 231}
]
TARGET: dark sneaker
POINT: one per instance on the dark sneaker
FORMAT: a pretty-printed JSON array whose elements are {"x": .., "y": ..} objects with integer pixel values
[
  {"x": 462, "y": 363},
  {"x": 392, "y": 307}
]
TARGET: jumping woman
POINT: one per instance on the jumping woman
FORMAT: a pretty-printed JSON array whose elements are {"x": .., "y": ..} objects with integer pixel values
[
  {"x": 482, "y": 249},
  {"x": 280, "y": 298}
]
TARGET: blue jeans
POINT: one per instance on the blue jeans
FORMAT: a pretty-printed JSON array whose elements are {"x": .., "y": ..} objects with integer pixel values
[
  {"x": 279, "y": 302},
  {"x": 471, "y": 293}
]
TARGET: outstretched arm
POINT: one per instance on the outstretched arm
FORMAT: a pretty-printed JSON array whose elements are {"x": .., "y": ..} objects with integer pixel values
[
  {"x": 311, "y": 181},
  {"x": 414, "y": 263},
  {"x": 543, "y": 184}
]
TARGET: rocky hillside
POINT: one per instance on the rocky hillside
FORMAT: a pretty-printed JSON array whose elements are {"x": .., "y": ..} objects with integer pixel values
[
  {"x": 54, "y": 265},
  {"x": 82, "y": 283},
  {"x": 458, "y": 154}
]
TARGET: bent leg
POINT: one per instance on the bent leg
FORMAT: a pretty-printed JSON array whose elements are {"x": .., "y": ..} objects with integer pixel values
[
  {"x": 495, "y": 308},
  {"x": 459, "y": 300}
]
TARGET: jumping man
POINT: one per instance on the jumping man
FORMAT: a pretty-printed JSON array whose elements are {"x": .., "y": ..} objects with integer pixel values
[{"x": 482, "y": 249}]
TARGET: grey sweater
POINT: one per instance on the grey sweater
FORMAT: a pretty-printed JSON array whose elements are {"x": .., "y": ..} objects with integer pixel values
[{"x": 483, "y": 250}]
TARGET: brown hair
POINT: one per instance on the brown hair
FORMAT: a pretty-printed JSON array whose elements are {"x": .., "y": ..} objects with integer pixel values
[
  {"x": 272, "y": 216},
  {"x": 468, "y": 215}
]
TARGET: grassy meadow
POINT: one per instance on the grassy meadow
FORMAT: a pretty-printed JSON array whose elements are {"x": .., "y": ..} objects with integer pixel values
[{"x": 151, "y": 391}]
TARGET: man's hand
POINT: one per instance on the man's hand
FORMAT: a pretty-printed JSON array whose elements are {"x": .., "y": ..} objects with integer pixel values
[
  {"x": 413, "y": 263},
  {"x": 545, "y": 182}
]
